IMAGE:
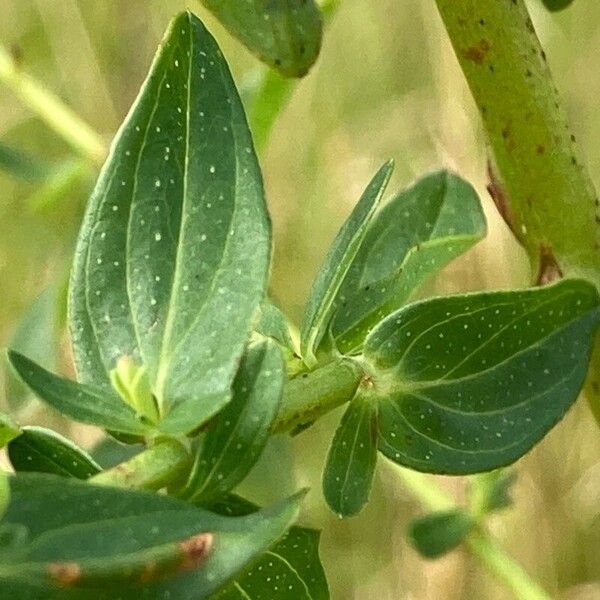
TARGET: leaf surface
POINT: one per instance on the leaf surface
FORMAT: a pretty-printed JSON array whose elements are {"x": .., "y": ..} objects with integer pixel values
[
  {"x": 172, "y": 259},
  {"x": 352, "y": 457},
  {"x": 343, "y": 250},
  {"x": 44, "y": 451},
  {"x": 286, "y": 34},
  {"x": 290, "y": 570},
  {"x": 83, "y": 403},
  {"x": 436, "y": 534},
  {"x": 238, "y": 435},
  {"x": 88, "y": 542},
  {"x": 414, "y": 236},
  {"x": 470, "y": 383}
]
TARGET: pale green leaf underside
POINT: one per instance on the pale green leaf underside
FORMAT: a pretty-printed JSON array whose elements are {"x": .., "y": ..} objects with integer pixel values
[
  {"x": 346, "y": 245},
  {"x": 119, "y": 537},
  {"x": 415, "y": 235},
  {"x": 470, "y": 383},
  {"x": 173, "y": 255},
  {"x": 286, "y": 34},
  {"x": 352, "y": 457},
  {"x": 238, "y": 435}
]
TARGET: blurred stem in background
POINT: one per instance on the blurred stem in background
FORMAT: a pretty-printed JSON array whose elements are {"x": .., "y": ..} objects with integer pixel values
[
  {"x": 538, "y": 182},
  {"x": 78, "y": 134}
]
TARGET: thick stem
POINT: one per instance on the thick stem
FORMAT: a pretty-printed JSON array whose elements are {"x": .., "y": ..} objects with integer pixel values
[
  {"x": 480, "y": 543},
  {"x": 164, "y": 463},
  {"x": 52, "y": 110},
  {"x": 541, "y": 187},
  {"x": 309, "y": 396}
]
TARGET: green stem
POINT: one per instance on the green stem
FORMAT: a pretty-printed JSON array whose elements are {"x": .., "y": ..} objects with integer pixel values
[
  {"x": 545, "y": 190},
  {"x": 538, "y": 181},
  {"x": 164, "y": 463},
  {"x": 309, "y": 396},
  {"x": 52, "y": 110},
  {"x": 480, "y": 543}
]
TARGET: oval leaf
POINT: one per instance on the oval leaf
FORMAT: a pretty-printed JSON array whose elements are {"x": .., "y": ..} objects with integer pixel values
[
  {"x": 321, "y": 302},
  {"x": 238, "y": 436},
  {"x": 290, "y": 570},
  {"x": 415, "y": 235},
  {"x": 286, "y": 34},
  {"x": 470, "y": 383},
  {"x": 555, "y": 5},
  {"x": 173, "y": 255},
  {"x": 438, "y": 533},
  {"x": 351, "y": 461},
  {"x": 109, "y": 542},
  {"x": 44, "y": 451}
]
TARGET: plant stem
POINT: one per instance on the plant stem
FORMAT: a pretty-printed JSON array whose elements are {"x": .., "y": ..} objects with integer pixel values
[
  {"x": 164, "y": 463},
  {"x": 480, "y": 543},
  {"x": 52, "y": 110},
  {"x": 309, "y": 396},
  {"x": 538, "y": 182}
]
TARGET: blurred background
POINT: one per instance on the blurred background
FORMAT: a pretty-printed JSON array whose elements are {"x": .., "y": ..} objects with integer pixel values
[{"x": 387, "y": 85}]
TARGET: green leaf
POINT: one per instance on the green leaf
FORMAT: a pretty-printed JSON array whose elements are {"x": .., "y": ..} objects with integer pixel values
[
  {"x": 285, "y": 34},
  {"x": 352, "y": 457},
  {"x": 290, "y": 570},
  {"x": 22, "y": 166},
  {"x": 102, "y": 542},
  {"x": 273, "y": 324},
  {"x": 83, "y": 403},
  {"x": 238, "y": 435},
  {"x": 470, "y": 383},
  {"x": 9, "y": 430},
  {"x": 108, "y": 452},
  {"x": 436, "y": 534},
  {"x": 172, "y": 259},
  {"x": 417, "y": 233},
  {"x": 44, "y": 451},
  {"x": 321, "y": 302},
  {"x": 555, "y": 5},
  {"x": 490, "y": 492}
]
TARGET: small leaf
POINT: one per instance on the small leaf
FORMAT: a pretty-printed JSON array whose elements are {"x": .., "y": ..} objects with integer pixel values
[
  {"x": 104, "y": 542},
  {"x": 173, "y": 255},
  {"x": 286, "y": 34},
  {"x": 490, "y": 492},
  {"x": 351, "y": 461},
  {"x": 82, "y": 403},
  {"x": 343, "y": 250},
  {"x": 290, "y": 570},
  {"x": 109, "y": 452},
  {"x": 273, "y": 324},
  {"x": 417, "y": 233},
  {"x": 9, "y": 430},
  {"x": 436, "y": 534},
  {"x": 555, "y": 5},
  {"x": 44, "y": 451},
  {"x": 471, "y": 383},
  {"x": 238, "y": 435},
  {"x": 20, "y": 165}
]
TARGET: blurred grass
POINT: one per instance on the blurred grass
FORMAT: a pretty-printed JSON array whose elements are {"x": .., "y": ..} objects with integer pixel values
[{"x": 386, "y": 86}]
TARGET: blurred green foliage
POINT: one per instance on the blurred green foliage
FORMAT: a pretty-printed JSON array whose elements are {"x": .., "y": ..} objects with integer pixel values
[{"x": 386, "y": 86}]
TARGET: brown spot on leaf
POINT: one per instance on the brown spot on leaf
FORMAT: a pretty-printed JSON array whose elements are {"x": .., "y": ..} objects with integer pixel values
[
  {"x": 195, "y": 550},
  {"x": 65, "y": 573},
  {"x": 498, "y": 195},
  {"x": 540, "y": 149},
  {"x": 549, "y": 270},
  {"x": 477, "y": 52}
]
